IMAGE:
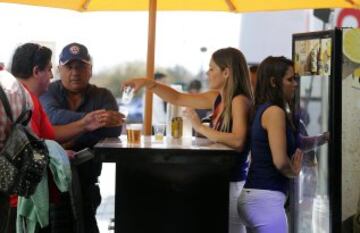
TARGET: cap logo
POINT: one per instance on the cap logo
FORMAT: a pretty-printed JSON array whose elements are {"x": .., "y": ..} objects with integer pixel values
[{"x": 74, "y": 49}]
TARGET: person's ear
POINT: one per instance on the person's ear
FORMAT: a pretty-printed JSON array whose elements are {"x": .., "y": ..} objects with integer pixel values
[
  {"x": 273, "y": 82},
  {"x": 226, "y": 72},
  {"x": 35, "y": 71},
  {"x": 91, "y": 71}
]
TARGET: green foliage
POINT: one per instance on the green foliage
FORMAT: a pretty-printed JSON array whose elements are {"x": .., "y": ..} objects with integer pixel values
[
  {"x": 112, "y": 78},
  {"x": 179, "y": 74}
]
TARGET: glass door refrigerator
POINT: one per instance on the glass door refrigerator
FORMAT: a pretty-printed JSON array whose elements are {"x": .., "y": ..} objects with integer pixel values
[{"x": 315, "y": 197}]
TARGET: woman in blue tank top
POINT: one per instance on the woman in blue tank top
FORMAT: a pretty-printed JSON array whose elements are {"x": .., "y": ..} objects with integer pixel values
[
  {"x": 230, "y": 98},
  {"x": 274, "y": 157}
]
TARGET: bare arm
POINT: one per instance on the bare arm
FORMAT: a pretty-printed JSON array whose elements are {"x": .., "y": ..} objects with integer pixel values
[
  {"x": 308, "y": 143},
  {"x": 90, "y": 122},
  {"x": 200, "y": 101},
  {"x": 237, "y": 137},
  {"x": 274, "y": 121}
]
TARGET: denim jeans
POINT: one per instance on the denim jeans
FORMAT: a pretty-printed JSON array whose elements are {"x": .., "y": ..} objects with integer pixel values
[
  {"x": 235, "y": 225},
  {"x": 262, "y": 211}
]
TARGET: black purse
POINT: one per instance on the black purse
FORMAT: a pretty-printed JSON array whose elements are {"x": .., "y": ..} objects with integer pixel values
[{"x": 24, "y": 157}]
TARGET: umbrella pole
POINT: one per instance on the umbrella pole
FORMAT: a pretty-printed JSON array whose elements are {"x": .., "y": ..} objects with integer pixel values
[{"x": 150, "y": 66}]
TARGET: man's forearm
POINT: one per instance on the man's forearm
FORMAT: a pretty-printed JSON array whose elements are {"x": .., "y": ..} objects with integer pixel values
[{"x": 64, "y": 133}]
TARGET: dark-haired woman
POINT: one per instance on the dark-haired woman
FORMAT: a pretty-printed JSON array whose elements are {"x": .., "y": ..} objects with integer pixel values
[{"x": 274, "y": 154}]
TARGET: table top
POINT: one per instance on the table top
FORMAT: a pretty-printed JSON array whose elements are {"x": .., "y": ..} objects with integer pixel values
[
  {"x": 149, "y": 142},
  {"x": 184, "y": 151}
]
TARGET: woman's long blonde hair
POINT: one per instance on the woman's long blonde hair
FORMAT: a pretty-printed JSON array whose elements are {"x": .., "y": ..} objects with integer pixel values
[{"x": 237, "y": 84}]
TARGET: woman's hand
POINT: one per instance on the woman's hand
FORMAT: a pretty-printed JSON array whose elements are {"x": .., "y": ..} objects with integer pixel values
[
  {"x": 326, "y": 136},
  {"x": 193, "y": 117},
  {"x": 296, "y": 161},
  {"x": 138, "y": 83}
]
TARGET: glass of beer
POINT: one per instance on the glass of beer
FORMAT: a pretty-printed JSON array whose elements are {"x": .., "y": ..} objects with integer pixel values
[
  {"x": 159, "y": 131},
  {"x": 133, "y": 132}
]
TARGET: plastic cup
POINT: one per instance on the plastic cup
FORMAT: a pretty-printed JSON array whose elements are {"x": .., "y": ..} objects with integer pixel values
[
  {"x": 124, "y": 110},
  {"x": 127, "y": 95},
  {"x": 133, "y": 132},
  {"x": 159, "y": 131}
]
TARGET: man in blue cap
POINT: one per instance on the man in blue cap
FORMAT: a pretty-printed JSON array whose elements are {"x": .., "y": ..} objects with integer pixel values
[{"x": 68, "y": 100}]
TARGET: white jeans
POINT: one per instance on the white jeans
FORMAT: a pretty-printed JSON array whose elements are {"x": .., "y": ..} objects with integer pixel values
[
  {"x": 262, "y": 211},
  {"x": 235, "y": 225}
]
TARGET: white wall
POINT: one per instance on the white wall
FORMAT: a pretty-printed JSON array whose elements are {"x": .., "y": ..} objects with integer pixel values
[{"x": 270, "y": 33}]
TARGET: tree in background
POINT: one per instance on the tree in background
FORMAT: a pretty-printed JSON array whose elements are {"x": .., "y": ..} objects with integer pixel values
[{"x": 111, "y": 78}]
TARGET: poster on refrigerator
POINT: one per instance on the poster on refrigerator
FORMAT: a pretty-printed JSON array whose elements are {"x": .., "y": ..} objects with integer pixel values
[{"x": 313, "y": 57}]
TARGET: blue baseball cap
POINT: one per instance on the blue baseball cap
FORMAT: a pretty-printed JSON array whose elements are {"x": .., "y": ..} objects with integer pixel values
[{"x": 74, "y": 51}]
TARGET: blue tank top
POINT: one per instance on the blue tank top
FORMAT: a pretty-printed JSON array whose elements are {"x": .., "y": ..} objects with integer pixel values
[
  {"x": 239, "y": 171},
  {"x": 262, "y": 173}
]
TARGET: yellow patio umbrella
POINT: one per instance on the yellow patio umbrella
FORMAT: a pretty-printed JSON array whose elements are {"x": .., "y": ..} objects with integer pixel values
[
  {"x": 185, "y": 5},
  {"x": 190, "y": 5}
]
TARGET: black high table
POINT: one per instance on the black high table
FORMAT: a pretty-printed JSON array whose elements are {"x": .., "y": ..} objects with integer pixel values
[{"x": 173, "y": 186}]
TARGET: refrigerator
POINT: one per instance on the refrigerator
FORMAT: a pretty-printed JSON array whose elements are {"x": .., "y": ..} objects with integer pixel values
[{"x": 315, "y": 196}]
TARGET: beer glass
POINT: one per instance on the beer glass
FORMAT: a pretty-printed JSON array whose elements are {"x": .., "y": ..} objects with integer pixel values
[
  {"x": 133, "y": 132},
  {"x": 159, "y": 131}
]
